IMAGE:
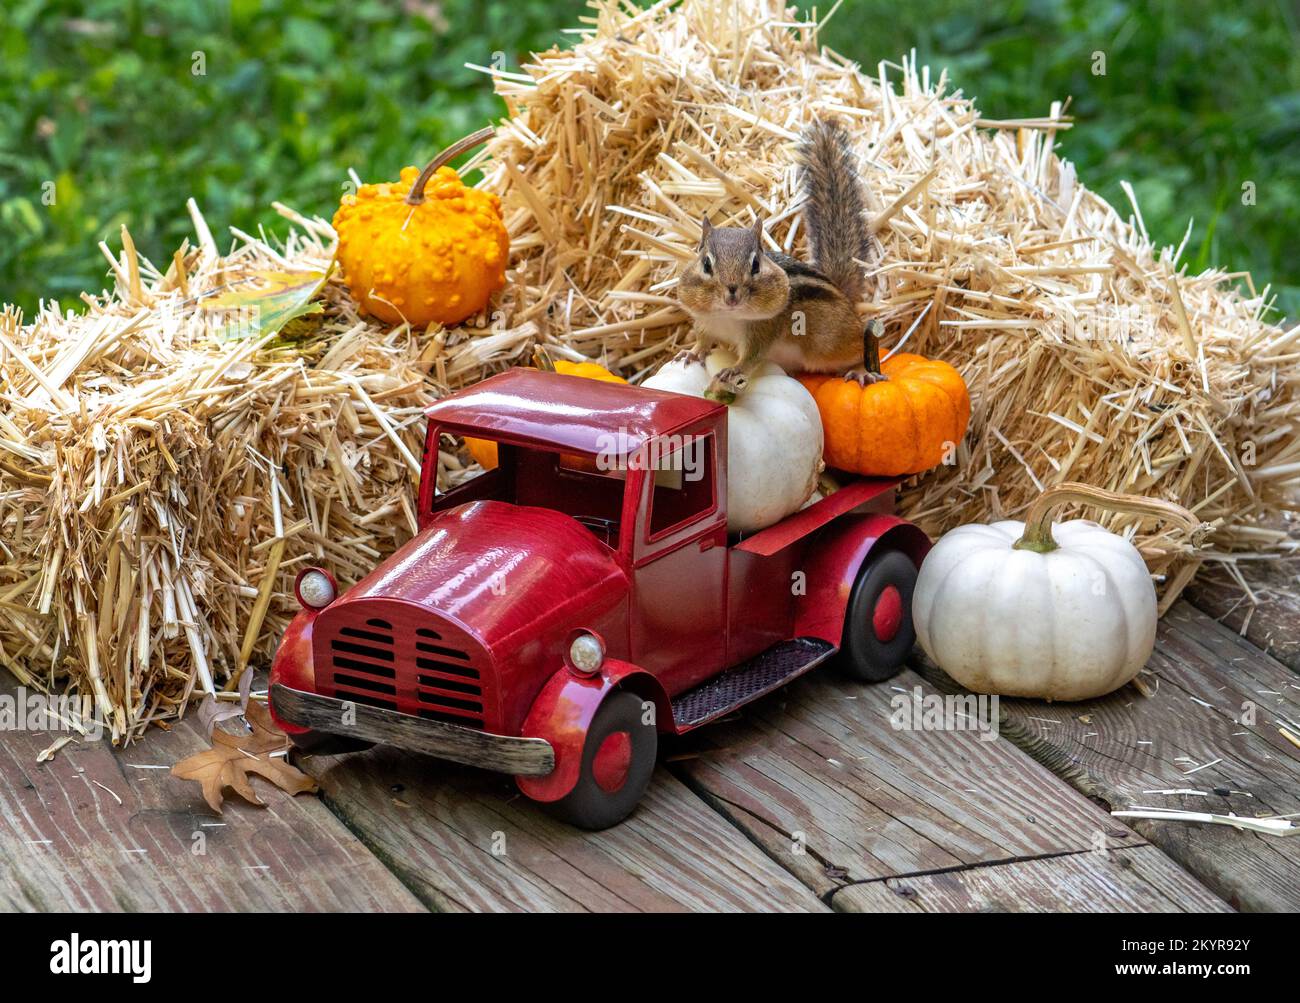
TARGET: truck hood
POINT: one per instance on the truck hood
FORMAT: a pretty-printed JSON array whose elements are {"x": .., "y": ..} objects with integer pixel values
[{"x": 499, "y": 570}]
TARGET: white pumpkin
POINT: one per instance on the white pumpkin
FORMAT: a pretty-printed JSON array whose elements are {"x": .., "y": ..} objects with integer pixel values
[
  {"x": 774, "y": 439},
  {"x": 1025, "y": 609}
]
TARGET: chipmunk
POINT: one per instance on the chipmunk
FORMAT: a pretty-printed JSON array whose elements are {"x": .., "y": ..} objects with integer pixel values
[{"x": 768, "y": 305}]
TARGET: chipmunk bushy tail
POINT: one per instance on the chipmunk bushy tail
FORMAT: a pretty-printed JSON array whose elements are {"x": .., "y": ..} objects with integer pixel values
[{"x": 833, "y": 207}]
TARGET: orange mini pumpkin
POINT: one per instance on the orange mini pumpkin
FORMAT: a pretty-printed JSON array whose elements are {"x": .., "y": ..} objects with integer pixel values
[
  {"x": 424, "y": 249},
  {"x": 901, "y": 425},
  {"x": 485, "y": 451}
]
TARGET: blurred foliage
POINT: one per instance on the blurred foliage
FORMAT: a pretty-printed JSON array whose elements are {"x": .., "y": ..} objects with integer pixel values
[
  {"x": 1198, "y": 99},
  {"x": 121, "y": 109},
  {"x": 131, "y": 107}
]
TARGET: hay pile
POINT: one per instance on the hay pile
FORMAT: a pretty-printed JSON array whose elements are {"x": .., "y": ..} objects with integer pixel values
[
  {"x": 160, "y": 486},
  {"x": 1090, "y": 354}
]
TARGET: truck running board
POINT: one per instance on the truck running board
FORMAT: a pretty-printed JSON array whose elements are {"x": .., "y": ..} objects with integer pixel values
[{"x": 738, "y": 686}]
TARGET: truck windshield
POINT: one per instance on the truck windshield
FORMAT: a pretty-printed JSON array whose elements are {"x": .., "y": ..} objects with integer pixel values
[{"x": 575, "y": 484}]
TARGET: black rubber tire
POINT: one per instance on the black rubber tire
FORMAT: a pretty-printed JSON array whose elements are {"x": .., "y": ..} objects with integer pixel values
[
  {"x": 863, "y": 656},
  {"x": 321, "y": 743},
  {"x": 588, "y": 805}
]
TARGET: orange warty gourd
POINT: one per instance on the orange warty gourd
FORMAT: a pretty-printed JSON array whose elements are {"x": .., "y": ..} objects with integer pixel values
[
  {"x": 485, "y": 452},
  {"x": 426, "y": 248},
  {"x": 589, "y": 370},
  {"x": 900, "y": 425}
]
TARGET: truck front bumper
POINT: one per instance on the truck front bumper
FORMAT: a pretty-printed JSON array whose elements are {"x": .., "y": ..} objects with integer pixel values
[{"x": 524, "y": 757}]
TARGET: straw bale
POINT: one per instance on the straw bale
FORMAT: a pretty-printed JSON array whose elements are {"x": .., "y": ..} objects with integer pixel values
[{"x": 1091, "y": 353}]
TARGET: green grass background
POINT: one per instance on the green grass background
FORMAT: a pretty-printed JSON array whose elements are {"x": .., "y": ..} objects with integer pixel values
[{"x": 99, "y": 98}]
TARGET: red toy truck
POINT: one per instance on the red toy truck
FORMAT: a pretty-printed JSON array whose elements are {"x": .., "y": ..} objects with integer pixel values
[{"x": 556, "y": 613}]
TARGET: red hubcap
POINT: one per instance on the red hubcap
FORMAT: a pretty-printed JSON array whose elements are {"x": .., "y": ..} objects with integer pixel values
[
  {"x": 887, "y": 617},
  {"x": 613, "y": 760}
]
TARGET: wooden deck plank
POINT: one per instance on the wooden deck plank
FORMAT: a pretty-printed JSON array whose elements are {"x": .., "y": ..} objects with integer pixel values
[
  {"x": 1274, "y": 624},
  {"x": 466, "y": 840},
  {"x": 818, "y": 777},
  {"x": 1218, "y": 700},
  {"x": 66, "y": 843},
  {"x": 1132, "y": 879}
]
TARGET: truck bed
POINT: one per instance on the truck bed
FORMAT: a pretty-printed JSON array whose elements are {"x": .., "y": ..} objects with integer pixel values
[{"x": 792, "y": 528}]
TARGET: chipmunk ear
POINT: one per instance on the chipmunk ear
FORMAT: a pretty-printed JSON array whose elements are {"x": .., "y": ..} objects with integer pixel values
[
  {"x": 706, "y": 228},
  {"x": 758, "y": 230}
]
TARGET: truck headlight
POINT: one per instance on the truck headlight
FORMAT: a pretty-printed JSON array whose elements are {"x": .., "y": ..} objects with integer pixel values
[
  {"x": 586, "y": 653},
  {"x": 315, "y": 588}
]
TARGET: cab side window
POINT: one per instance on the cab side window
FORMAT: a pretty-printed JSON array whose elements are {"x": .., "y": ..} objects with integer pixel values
[{"x": 683, "y": 484}]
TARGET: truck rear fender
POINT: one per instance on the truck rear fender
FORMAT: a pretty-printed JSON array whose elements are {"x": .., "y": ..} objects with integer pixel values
[
  {"x": 834, "y": 562},
  {"x": 293, "y": 665},
  {"x": 563, "y": 712}
]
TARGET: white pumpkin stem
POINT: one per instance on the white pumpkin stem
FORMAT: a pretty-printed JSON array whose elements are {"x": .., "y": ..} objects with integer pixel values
[
  {"x": 416, "y": 195},
  {"x": 542, "y": 359},
  {"x": 1038, "y": 520}
]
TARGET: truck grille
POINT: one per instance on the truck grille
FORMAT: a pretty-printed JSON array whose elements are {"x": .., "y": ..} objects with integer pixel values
[
  {"x": 446, "y": 683},
  {"x": 429, "y": 672}
]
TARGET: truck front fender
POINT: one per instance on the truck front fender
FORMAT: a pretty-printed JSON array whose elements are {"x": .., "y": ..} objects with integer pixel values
[
  {"x": 835, "y": 561},
  {"x": 293, "y": 666},
  {"x": 563, "y": 712}
]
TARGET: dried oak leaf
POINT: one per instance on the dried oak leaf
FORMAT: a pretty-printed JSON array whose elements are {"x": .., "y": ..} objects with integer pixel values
[{"x": 233, "y": 757}]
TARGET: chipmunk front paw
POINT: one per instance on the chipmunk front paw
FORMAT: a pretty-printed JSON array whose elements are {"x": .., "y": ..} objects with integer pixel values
[
  {"x": 727, "y": 385},
  {"x": 865, "y": 377},
  {"x": 688, "y": 356}
]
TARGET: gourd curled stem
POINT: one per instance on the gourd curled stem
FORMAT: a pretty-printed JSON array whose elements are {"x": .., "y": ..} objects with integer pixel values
[
  {"x": 416, "y": 195},
  {"x": 1038, "y": 520}
]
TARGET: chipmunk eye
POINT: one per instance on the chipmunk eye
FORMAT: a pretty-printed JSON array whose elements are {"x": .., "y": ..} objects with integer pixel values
[
  {"x": 753, "y": 265},
  {"x": 707, "y": 265}
]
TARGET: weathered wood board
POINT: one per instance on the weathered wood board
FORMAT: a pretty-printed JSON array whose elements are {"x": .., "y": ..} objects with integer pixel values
[
  {"x": 468, "y": 840},
  {"x": 1212, "y": 724},
  {"x": 1273, "y": 625},
  {"x": 817, "y": 775},
  {"x": 809, "y": 799},
  {"x": 1131, "y": 879},
  {"x": 94, "y": 830}
]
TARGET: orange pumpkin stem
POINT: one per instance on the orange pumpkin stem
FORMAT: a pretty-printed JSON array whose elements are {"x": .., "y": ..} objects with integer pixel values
[
  {"x": 1038, "y": 520},
  {"x": 416, "y": 195},
  {"x": 871, "y": 346}
]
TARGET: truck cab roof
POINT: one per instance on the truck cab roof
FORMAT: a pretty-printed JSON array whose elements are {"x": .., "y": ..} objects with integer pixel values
[{"x": 532, "y": 407}]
